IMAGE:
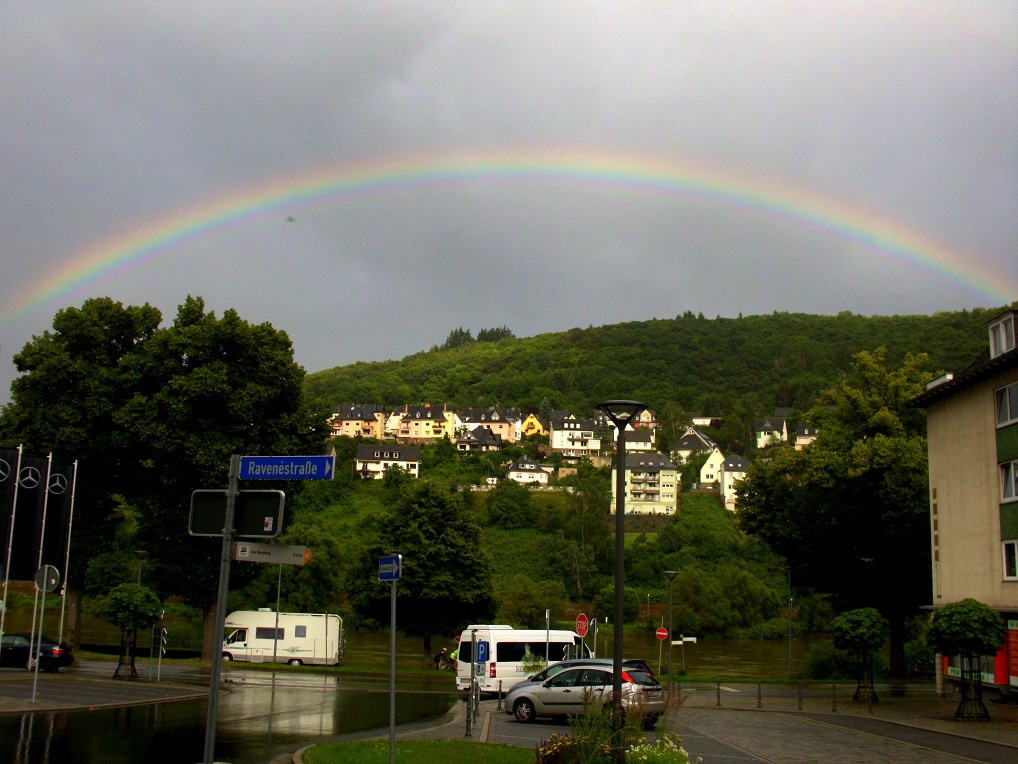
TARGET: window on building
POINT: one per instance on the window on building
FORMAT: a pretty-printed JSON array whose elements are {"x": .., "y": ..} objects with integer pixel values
[
  {"x": 1008, "y": 478},
  {"x": 1007, "y": 404},
  {"x": 1011, "y": 560},
  {"x": 1002, "y": 336}
]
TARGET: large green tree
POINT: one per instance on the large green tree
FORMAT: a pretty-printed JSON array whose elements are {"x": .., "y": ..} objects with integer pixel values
[
  {"x": 73, "y": 381},
  {"x": 153, "y": 414},
  {"x": 850, "y": 511},
  {"x": 447, "y": 577}
]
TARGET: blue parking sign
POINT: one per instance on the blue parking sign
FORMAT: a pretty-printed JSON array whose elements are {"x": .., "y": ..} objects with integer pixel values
[{"x": 482, "y": 652}]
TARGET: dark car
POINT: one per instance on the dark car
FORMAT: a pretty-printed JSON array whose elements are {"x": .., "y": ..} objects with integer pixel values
[{"x": 15, "y": 650}]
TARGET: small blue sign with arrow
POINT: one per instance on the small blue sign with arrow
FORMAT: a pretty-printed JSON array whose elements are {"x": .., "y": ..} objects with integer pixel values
[{"x": 390, "y": 567}]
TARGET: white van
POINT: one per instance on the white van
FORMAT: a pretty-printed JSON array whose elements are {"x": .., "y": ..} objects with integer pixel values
[
  {"x": 511, "y": 655},
  {"x": 313, "y": 639}
]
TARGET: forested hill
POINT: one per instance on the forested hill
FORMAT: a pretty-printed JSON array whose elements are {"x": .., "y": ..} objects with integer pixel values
[{"x": 692, "y": 363}]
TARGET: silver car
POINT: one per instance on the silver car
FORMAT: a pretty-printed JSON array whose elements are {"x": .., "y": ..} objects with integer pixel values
[{"x": 566, "y": 693}]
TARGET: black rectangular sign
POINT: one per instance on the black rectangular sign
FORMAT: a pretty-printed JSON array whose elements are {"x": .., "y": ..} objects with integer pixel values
[{"x": 256, "y": 514}]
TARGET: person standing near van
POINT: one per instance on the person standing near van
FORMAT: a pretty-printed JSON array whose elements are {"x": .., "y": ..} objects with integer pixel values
[{"x": 439, "y": 657}]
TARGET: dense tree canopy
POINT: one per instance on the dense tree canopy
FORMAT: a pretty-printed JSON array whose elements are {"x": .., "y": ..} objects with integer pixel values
[
  {"x": 152, "y": 414},
  {"x": 447, "y": 580},
  {"x": 736, "y": 368},
  {"x": 850, "y": 511}
]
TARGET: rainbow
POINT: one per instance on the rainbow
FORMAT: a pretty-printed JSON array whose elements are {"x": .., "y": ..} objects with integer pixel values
[{"x": 626, "y": 172}]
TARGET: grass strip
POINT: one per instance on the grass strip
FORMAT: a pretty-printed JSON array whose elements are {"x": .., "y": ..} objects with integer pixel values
[{"x": 418, "y": 751}]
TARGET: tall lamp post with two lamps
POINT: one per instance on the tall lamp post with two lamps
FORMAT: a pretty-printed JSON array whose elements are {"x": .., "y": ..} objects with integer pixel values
[{"x": 621, "y": 413}]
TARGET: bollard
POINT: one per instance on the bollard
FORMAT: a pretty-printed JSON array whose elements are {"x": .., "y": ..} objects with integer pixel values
[
  {"x": 719, "y": 694},
  {"x": 759, "y": 695},
  {"x": 869, "y": 698},
  {"x": 469, "y": 701},
  {"x": 834, "y": 698},
  {"x": 800, "y": 696},
  {"x": 499, "y": 706}
]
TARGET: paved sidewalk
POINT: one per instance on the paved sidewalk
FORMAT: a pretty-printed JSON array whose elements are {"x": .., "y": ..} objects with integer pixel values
[{"x": 900, "y": 730}]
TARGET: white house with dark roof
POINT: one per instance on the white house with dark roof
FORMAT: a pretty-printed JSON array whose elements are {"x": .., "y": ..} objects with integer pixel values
[
  {"x": 373, "y": 459},
  {"x": 526, "y": 471},
  {"x": 770, "y": 431},
  {"x": 641, "y": 439},
  {"x": 693, "y": 442},
  {"x": 805, "y": 434},
  {"x": 574, "y": 438},
  {"x": 710, "y": 472},
  {"x": 733, "y": 469},
  {"x": 651, "y": 484}
]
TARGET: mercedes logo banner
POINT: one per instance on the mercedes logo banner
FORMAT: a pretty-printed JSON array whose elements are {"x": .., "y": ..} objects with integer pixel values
[{"x": 28, "y": 515}]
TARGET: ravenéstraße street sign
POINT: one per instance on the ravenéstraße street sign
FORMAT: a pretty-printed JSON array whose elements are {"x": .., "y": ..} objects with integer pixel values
[{"x": 287, "y": 467}]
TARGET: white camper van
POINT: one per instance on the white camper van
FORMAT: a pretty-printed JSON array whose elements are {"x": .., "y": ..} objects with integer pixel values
[
  {"x": 507, "y": 655},
  {"x": 312, "y": 639}
]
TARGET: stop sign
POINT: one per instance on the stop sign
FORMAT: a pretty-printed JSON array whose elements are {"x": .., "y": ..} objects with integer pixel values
[
  {"x": 581, "y": 625},
  {"x": 661, "y": 633}
]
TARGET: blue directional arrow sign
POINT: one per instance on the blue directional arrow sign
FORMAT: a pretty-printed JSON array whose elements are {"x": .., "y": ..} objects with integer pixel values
[
  {"x": 390, "y": 567},
  {"x": 287, "y": 467}
]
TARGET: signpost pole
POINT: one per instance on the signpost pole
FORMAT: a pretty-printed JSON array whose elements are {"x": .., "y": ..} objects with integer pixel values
[
  {"x": 224, "y": 587},
  {"x": 392, "y": 673}
]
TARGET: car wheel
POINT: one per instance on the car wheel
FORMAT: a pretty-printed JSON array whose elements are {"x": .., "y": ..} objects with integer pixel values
[
  {"x": 227, "y": 657},
  {"x": 295, "y": 662},
  {"x": 524, "y": 710}
]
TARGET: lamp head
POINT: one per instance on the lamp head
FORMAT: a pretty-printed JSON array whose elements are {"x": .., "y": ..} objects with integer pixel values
[
  {"x": 621, "y": 412},
  {"x": 671, "y": 574}
]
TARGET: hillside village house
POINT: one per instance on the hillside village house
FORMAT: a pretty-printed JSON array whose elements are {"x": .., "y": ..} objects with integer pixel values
[
  {"x": 770, "y": 431},
  {"x": 363, "y": 420},
  {"x": 972, "y": 436},
  {"x": 693, "y": 442},
  {"x": 533, "y": 425},
  {"x": 651, "y": 484},
  {"x": 426, "y": 424},
  {"x": 804, "y": 435},
  {"x": 733, "y": 469},
  {"x": 373, "y": 459},
  {"x": 710, "y": 472},
  {"x": 479, "y": 439},
  {"x": 574, "y": 438},
  {"x": 526, "y": 471},
  {"x": 640, "y": 440},
  {"x": 504, "y": 423}
]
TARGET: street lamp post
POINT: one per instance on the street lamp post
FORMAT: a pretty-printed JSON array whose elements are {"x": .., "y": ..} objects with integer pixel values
[
  {"x": 140, "y": 554},
  {"x": 621, "y": 413},
  {"x": 790, "y": 624},
  {"x": 671, "y": 574}
]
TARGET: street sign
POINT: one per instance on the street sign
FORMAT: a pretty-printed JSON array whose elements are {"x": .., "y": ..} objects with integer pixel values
[
  {"x": 482, "y": 653},
  {"x": 661, "y": 633},
  {"x": 256, "y": 514},
  {"x": 287, "y": 467},
  {"x": 390, "y": 567},
  {"x": 581, "y": 625},
  {"x": 682, "y": 640},
  {"x": 284, "y": 554}
]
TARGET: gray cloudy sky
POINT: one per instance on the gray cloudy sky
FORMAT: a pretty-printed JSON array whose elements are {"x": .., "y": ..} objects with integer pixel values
[{"x": 863, "y": 156}]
